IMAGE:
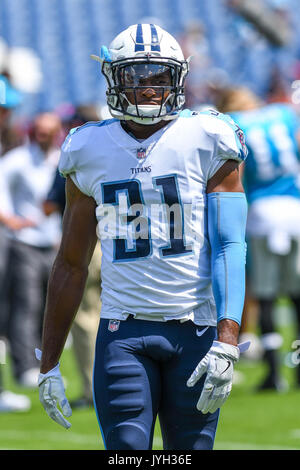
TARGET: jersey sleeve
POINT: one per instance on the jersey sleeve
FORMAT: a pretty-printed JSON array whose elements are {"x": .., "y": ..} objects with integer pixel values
[
  {"x": 71, "y": 160},
  {"x": 228, "y": 140},
  {"x": 66, "y": 165}
]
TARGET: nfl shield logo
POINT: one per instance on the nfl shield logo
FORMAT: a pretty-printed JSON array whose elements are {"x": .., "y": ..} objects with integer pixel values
[
  {"x": 113, "y": 325},
  {"x": 141, "y": 153}
]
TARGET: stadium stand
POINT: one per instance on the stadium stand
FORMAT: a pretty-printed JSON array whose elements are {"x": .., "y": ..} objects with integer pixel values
[{"x": 63, "y": 34}]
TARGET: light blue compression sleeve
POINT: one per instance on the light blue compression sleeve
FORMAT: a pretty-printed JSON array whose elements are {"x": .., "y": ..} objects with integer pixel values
[{"x": 227, "y": 216}]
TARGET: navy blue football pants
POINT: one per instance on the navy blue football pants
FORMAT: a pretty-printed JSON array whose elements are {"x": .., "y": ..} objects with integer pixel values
[{"x": 140, "y": 371}]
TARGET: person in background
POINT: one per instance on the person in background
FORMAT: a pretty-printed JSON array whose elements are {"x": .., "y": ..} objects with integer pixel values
[
  {"x": 10, "y": 99},
  {"x": 272, "y": 185},
  {"x": 195, "y": 45},
  {"x": 28, "y": 172}
]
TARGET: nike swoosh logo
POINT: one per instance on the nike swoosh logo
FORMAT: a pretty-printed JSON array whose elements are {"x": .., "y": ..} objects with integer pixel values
[
  {"x": 228, "y": 362},
  {"x": 201, "y": 332}
]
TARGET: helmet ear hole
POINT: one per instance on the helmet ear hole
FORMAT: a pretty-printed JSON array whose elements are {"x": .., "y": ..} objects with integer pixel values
[{"x": 133, "y": 56}]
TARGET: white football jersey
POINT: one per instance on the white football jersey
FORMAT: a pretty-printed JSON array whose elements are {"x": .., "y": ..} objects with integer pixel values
[{"x": 151, "y": 211}]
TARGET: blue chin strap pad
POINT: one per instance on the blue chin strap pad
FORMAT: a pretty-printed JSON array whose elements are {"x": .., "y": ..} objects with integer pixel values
[{"x": 227, "y": 217}]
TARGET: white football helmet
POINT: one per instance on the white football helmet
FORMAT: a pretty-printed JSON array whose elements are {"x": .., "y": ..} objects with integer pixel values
[{"x": 141, "y": 53}]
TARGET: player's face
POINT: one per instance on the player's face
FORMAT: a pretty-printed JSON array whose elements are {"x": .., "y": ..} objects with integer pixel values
[{"x": 146, "y": 84}]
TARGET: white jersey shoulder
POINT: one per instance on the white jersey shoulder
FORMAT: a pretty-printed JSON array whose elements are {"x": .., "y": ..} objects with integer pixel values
[
  {"x": 79, "y": 137},
  {"x": 228, "y": 136},
  {"x": 76, "y": 151}
]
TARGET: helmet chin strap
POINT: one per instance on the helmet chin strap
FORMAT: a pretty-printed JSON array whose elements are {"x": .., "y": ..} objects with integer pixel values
[
  {"x": 144, "y": 121},
  {"x": 147, "y": 114}
]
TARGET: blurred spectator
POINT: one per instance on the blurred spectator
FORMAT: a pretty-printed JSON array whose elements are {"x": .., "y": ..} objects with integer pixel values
[
  {"x": 85, "y": 325},
  {"x": 28, "y": 172},
  {"x": 279, "y": 89},
  {"x": 196, "y": 47},
  {"x": 10, "y": 98},
  {"x": 84, "y": 330},
  {"x": 272, "y": 184},
  {"x": 73, "y": 116},
  {"x": 273, "y": 23}
]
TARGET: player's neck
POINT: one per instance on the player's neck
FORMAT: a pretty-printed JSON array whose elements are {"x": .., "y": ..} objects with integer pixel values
[{"x": 142, "y": 131}]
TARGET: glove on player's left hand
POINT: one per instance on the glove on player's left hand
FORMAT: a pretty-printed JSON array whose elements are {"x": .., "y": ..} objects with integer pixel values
[{"x": 218, "y": 366}]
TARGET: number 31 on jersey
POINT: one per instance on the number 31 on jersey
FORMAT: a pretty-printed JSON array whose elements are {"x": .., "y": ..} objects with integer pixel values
[{"x": 125, "y": 218}]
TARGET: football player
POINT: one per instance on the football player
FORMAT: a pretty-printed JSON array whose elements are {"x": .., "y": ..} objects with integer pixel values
[
  {"x": 163, "y": 187},
  {"x": 271, "y": 177}
]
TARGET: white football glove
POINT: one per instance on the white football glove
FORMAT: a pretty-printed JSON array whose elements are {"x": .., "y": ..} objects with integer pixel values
[
  {"x": 218, "y": 366},
  {"x": 51, "y": 392}
]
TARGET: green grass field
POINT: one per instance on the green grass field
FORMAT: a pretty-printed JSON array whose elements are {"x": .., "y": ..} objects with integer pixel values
[{"x": 264, "y": 421}]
